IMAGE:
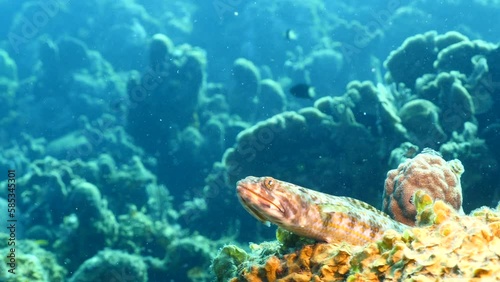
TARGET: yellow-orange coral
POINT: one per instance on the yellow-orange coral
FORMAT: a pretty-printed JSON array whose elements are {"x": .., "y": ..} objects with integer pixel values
[
  {"x": 444, "y": 245},
  {"x": 429, "y": 172}
]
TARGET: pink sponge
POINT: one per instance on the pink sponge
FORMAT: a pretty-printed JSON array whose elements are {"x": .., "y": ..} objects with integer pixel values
[{"x": 427, "y": 171}]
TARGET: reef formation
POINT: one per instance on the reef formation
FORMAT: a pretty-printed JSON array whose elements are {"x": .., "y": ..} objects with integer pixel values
[
  {"x": 443, "y": 245},
  {"x": 128, "y": 140}
]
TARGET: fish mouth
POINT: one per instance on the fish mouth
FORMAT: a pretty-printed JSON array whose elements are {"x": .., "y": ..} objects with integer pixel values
[{"x": 251, "y": 198}]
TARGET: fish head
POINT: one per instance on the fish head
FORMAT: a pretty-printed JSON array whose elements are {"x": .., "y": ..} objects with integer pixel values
[{"x": 267, "y": 199}]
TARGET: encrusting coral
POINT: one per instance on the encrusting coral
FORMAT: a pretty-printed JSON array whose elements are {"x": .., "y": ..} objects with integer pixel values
[
  {"x": 444, "y": 245},
  {"x": 429, "y": 172}
]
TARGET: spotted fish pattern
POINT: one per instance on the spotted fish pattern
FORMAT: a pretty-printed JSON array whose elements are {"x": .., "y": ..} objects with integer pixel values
[{"x": 313, "y": 214}]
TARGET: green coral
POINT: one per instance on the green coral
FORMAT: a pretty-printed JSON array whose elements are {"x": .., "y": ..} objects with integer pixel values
[
  {"x": 290, "y": 240},
  {"x": 226, "y": 263},
  {"x": 424, "y": 204}
]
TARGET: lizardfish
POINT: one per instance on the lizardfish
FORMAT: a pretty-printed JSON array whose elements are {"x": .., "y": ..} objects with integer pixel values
[{"x": 313, "y": 214}]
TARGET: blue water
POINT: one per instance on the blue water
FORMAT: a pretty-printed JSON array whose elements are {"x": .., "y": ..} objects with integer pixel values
[{"x": 128, "y": 123}]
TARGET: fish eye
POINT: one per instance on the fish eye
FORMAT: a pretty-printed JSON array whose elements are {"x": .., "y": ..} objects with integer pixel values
[{"x": 269, "y": 182}]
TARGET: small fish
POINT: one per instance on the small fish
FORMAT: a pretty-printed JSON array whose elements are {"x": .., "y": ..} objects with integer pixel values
[
  {"x": 313, "y": 214},
  {"x": 303, "y": 90},
  {"x": 411, "y": 151},
  {"x": 291, "y": 35},
  {"x": 42, "y": 242}
]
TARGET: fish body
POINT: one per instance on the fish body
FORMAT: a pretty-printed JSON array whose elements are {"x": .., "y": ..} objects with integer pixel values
[
  {"x": 291, "y": 35},
  {"x": 313, "y": 214},
  {"x": 303, "y": 90}
]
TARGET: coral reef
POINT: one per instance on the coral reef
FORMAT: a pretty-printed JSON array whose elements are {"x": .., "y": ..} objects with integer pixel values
[
  {"x": 481, "y": 165},
  {"x": 428, "y": 172},
  {"x": 434, "y": 107},
  {"x": 329, "y": 130},
  {"x": 91, "y": 138},
  {"x": 126, "y": 33},
  {"x": 271, "y": 99},
  {"x": 400, "y": 154},
  {"x": 22, "y": 151},
  {"x": 105, "y": 203},
  {"x": 452, "y": 98},
  {"x": 226, "y": 261},
  {"x": 338, "y": 140},
  {"x": 34, "y": 263},
  {"x": 93, "y": 222},
  {"x": 8, "y": 85},
  {"x": 111, "y": 265},
  {"x": 278, "y": 142},
  {"x": 53, "y": 181},
  {"x": 444, "y": 245},
  {"x": 169, "y": 91},
  {"x": 453, "y": 74},
  {"x": 421, "y": 118},
  {"x": 251, "y": 97},
  {"x": 245, "y": 87},
  {"x": 321, "y": 68},
  {"x": 166, "y": 248},
  {"x": 129, "y": 138},
  {"x": 73, "y": 75},
  {"x": 413, "y": 59},
  {"x": 8, "y": 74}
]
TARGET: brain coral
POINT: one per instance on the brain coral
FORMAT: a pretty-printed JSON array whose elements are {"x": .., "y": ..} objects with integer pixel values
[
  {"x": 427, "y": 171},
  {"x": 445, "y": 245}
]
